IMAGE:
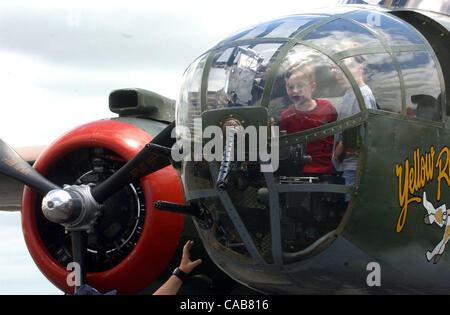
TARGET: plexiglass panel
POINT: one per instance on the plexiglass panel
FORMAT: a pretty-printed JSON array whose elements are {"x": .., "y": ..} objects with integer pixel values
[
  {"x": 307, "y": 217},
  {"x": 223, "y": 236},
  {"x": 305, "y": 75},
  {"x": 394, "y": 31},
  {"x": 336, "y": 35},
  {"x": 196, "y": 176},
  {"x": 312, "y": 91},
  {"x": 350, "y": 106},
  {"x": 188, "y": 102},
  {"x": 333, "y": 9},
  {"x": 300, "y": 101},
  {"x": 248, "y": 193},
  {"x": 238, "y": 75},
  {"x": 234, "y": 213},
  {"x": 284, "y": 27},
  {"x": 422, "y": 85},
  {"x": 379, "y": 78}
]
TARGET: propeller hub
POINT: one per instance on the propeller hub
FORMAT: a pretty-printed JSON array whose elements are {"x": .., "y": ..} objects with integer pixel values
[
  {"x": 73, "y": 207},
  {"x": 61, "y": 206}
]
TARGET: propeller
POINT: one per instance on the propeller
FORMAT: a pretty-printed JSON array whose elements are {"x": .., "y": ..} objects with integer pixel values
[
  {"x": 78, "y": 207},
  {"x": 12, "y": 165},
  {"x": 154, "y": 156}
]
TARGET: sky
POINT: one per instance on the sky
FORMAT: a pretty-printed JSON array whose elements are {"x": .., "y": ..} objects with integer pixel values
[
  {"x": 18, "y": 273},
  {"x": 60, "y": 60}
]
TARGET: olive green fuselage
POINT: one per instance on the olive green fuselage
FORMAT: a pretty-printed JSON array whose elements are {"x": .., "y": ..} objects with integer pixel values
[{"x": 402, "y": 160}]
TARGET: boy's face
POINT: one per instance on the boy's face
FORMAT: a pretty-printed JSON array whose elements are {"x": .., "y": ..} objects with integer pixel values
[{"x": 299, "y": 88}]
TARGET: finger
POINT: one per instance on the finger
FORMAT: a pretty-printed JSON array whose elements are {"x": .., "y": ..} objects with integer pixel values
[
  {"x": 187, "y": 247},
  {"x": 196, "y": 263},
  {"x": 186, "y": 251},
  {"x": 188, "y": 267}
]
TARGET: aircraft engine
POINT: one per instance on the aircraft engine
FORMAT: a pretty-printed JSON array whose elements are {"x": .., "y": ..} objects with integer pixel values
[{"x": 132, "y": 242}]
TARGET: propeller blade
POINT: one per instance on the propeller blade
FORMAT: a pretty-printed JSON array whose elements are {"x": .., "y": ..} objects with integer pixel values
[
  {"x": 79, "y": 249},
  {"x": 153, "y": 157},
  {"x": 12, "y": 165}
]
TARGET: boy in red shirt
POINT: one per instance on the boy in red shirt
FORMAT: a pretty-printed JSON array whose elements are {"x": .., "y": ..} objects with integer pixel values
[{"x": 307, "y": 113}]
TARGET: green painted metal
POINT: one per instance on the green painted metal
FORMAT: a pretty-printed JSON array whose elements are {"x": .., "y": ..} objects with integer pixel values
[
  {"x": 141, "y": 103},
  {"x": 204, "y": 82},
  {"x": 151, "y": 127},
  {"x": 247, "y": 116},
  {"x": 322, "y": 131},
  {"x": 377, "y": 50},
  {"x": 391, "y": 141}
]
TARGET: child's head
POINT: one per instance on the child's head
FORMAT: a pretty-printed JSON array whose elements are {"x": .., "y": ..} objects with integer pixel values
[
  {"x": 300, "y": 83},
  {"x": 355, "y": 64}
]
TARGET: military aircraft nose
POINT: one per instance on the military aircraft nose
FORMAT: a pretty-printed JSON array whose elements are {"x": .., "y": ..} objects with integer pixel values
[{"x": 279, "y": 187}]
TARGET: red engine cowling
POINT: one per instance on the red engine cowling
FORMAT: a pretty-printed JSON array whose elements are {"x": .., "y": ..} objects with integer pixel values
[{"x": 126, "y": 262}]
